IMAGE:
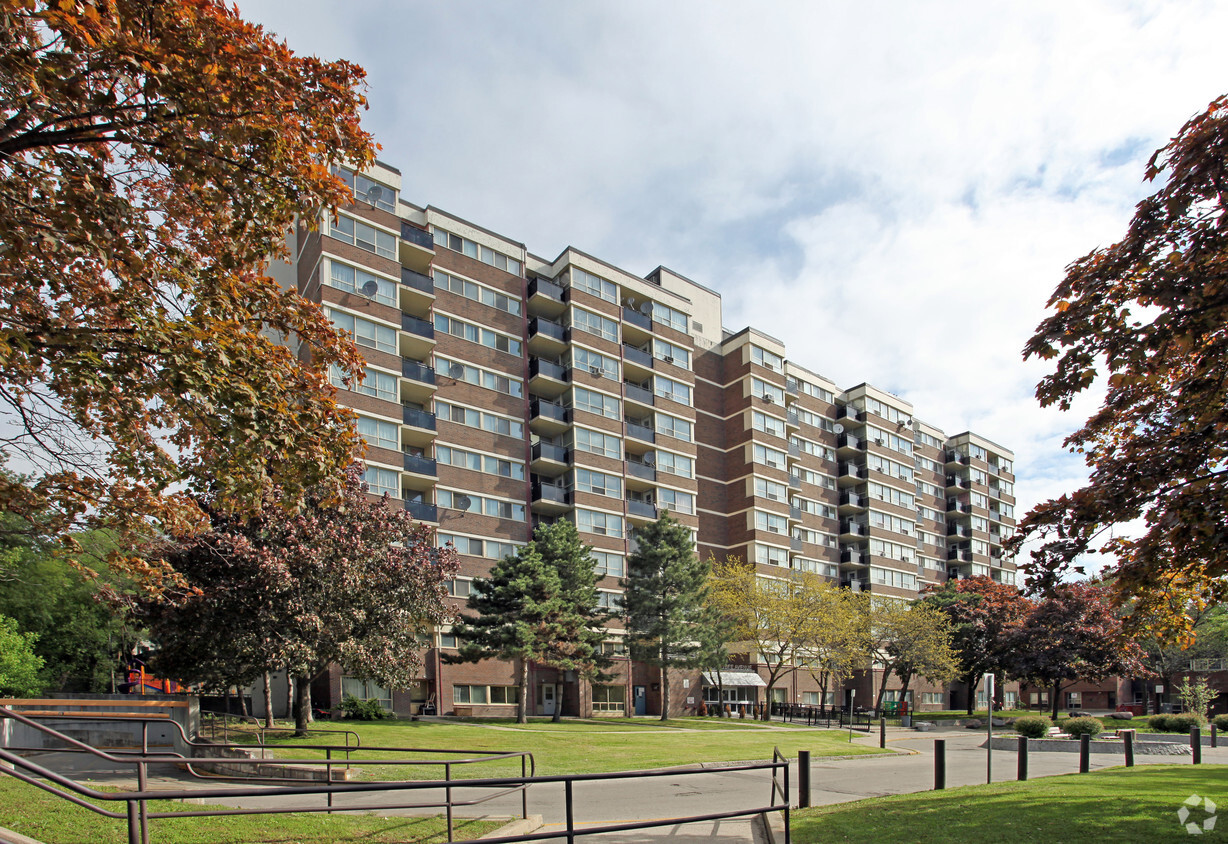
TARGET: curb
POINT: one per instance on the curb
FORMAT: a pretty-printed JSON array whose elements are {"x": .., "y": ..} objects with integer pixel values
[
  {"x": 516, "y": 826},
  {"x": 10, "y": 837}
]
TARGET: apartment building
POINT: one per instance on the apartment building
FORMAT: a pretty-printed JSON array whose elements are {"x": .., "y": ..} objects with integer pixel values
[{"x": 504, "y": 389}]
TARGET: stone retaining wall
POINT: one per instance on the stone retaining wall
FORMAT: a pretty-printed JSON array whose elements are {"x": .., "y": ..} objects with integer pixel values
[{"x": 1142, "y": 748}]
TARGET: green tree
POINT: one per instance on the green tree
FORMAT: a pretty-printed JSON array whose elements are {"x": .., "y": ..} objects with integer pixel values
[
  {"x": 1149, "y": 312},
  {"x": 835, "y": 644},
  {"x": 910, "y": 639},
  {"x": 152, "y": 157},
  {"x": 19, "y": 664},
  {"x": 665, "y": 599}
]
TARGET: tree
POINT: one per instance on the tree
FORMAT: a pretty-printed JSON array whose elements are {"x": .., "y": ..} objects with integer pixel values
[
  {"x": 910, "y": 638},
  {"x": 770, "y": 615},
  {"x": 350, "y": 581},
  {"x": 1196, "y": 694},
  {"x": 152, "y": 158},
  {"x": 980, "y": 611},
  {"x": 835, "y": 644},
  {"x": 19, "y": 665},
  {"x": 1072, "y": 634},
  {"x": 1150, "y": 312},
  {"x": 665, "y": 599}
]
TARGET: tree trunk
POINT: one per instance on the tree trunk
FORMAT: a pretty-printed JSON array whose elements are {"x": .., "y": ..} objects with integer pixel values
[
  {"x": 971, "y": 684},
  {"x": 664, "y": 693},
  {"x": 268, "y": 700},
  {"x": 522, "y": 696},
  {"x": 226, "y": 700},
  {"x": 558, "y": 700},
  {"x": 302, "y": 704},
  {"x": 289, "y": 692},
  {"x": 882, "y": 688},
  {"x": 1053, "y": 696},
  {"x": 242, "y": 701},
  {"x": 905, "y": 679}
]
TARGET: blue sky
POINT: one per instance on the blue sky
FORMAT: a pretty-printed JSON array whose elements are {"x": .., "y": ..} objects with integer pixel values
[{"x": 892, "y": 189}]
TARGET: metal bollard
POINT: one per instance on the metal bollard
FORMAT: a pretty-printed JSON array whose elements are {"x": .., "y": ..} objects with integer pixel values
[
  {"x": 1196, "y": 744},
  {"x": 1127, "y": 737},
  {"x": 1085, "y": 753},
  {"x": 882, "y": 731},
  {"x": 940, "y": 764},
  {"x": 803, "y": 779},
  {"x": 1213, "y": 742},
  {"x": 1022, "y": 773}
]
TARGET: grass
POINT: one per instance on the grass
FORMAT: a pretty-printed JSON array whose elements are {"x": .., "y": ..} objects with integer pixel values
[
  {"x": 575, "y": 747},
  {"x": 33, "y": 812},
  {"x": 1121, "y": 805}
]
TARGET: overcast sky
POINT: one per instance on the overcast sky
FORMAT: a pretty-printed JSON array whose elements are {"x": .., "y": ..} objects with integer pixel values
[{"x": 892, "y": 189}]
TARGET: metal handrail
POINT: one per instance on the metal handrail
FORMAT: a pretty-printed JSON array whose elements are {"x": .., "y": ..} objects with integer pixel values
[
  {"x": 263, "y": 730},
  {"x": 781, "y": 791}
]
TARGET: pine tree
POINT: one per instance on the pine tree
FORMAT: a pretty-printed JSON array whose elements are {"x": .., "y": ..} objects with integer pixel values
[{"x": 665, "y": 600}]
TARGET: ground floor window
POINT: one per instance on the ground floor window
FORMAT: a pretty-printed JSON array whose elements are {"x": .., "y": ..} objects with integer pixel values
[
  {"x": 779, "y": 695},
  {"x": 609, "y": 698},
  {"x": 932, "y": 698},
  {"x": 1040, "y": 698},
  {"x": 1010, "y": 700},
  {"x": 810, "y": 698},
  {"x": 1074, "y": 700},
  {"x": 485, "y": 694},
  {"x": 732, "y": 696},
  {"x": 893, "y": 696},
  {"x": 366, "y": 690}
]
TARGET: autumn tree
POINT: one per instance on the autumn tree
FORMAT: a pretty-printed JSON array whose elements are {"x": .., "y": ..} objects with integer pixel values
[
  {"x": 152, "y": 157},
  {"x": 665, "y": 599},
  {"x": 350, "y": 581},
  {"x": 980, "y": 611},
  {"x": 769, "y": 615},
  {"x": 835, "y": 644},
  {"x": 1147, "y": 319},
  {"x": 1071, "y": 634}
]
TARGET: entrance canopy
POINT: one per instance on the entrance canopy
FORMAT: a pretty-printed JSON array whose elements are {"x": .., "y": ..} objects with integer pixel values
[{"x": 734, "y": 677}]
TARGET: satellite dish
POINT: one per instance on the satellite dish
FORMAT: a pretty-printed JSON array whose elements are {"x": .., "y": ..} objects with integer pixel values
[
  {"x": 649, "y": 459},
  {"x": 630, "y": 301},
  {"x": 462, "y": 502},
  {"x": 374, "y": 194},
  {"x": 456, "y": 370},
  {"x": 370, "y": 289},
  {"x": 646, "y": 308},
  {"x": 838, "y": 428}
]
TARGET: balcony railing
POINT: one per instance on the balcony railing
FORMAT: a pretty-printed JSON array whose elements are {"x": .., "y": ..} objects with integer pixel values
[
  {"x": 638, "y": 394},
  {"x": 422, "y": 511},
  {"x": 795, "y": 543},
  {"x": 636, "y": 318},
  {"x": 546, "y": 410},
  {"x": 549, "y": 451},
  {"x": 849, "y": 441},
  {"x": 418, "y": 418},
  {"x": 795, "y": 482},
  {"x": 417, "y": 236},
  {"x": 420, "y": 465},
  {"x": 851, "y": 499},
  {"x": 853, "y": 528},
  {"x": 417, "y": 281},
  {"x": 546, "y": 288},
  {"x": 637, "y": 356},
  {"x": 550, "y": 492},
  {"x": 642, "y": 508},
  {"x": 641, "y": 470},
  {"x": 421, "y": 327},
  {"x": 546, "y": 369},
  {"x": 417, "y": 371},
  {"x": 547, "y": 328},
  {"x": 849, "y": 412},
  {"x": 641, "y": 432}
]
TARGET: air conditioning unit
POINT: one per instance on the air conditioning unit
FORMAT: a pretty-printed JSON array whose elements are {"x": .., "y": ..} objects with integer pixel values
[
  {"x": 770, "y": 464},
  {"x": 595, "y": 370},
  {"x": 767, "y": 398},
  {"x": 668, "y": 359}
]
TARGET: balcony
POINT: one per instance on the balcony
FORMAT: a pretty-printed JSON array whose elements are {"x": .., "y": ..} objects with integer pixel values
[
  {"x": 637, "y": 394},
  {"x": 546, "y": 297},
  {"x": 853, "y": 557},
  {"x": 551, "y": 499},
  {"x": 792, "y": 420},
  {"x": 417, "y": 337},
  {"x": 418, "y": 281},
  {"x": 956, "y": 506},
  {"x": 956, "y": 482},
  {"x": 639, "y": 320},
  {"x": 547, "y": 418},
  {"x": 851, "y": 528},
  {"x": 421, "y": 511},
  {"x": 851, "y": 414},
  {"x": 637, "y": 359},
  {"x": 420, "y": 427},
  {"x": 641, "y": 511},
  {"x": 850, "y": 473},
  {"x": 850, "y": 500},
  {"x": 417, "y": 292},
  {"x": 795, "y": 513},
  {"x": 795, "y": 482},
  {"x": 641, "y": 432},
  {"x": 549, "y": 459},
  {"x": 546, "y": 378},
  {"x": 419, "y": 383},
  {"x": 854, "y": 584},
  {"x": 846, "y": 443},
  {"x": 961, "y": 531},
  {"x": 416, "y": 248},
  {"x": 547, "y": 338},
  {"x": 795, "y": 543},
  {"x": 640, "y": 475},
  {"x": 959, "y": 554},
  {"x": 956, "y": 457}
]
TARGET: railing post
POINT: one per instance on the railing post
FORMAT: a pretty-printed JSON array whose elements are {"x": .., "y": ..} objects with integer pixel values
[
  {"x": 134, "y": 823},
  {"x": 803, "y": 779},
  {"x": 328, "y": 774},
  {"x": 571, "y": 818},
  {"x": 142, "y": 781},
  {"x": 447, "y": 775},
  {"x": 1085, "y": 753},
  {"x": 1022, "y": 774},
  {"x": 1127, "y": 738},
  {"x": 1196, "y": 743},
  {"x": 787, "y": 824},
  {"x": 940, "y": 764}
]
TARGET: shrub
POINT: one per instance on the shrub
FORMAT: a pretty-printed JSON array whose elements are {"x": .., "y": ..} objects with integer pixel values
[
  {"x": 1221, "y": 723},
  {"x": 1083, "y": 726},
  {"x": 1183, "y": 723},
  {"x": 1033, "y": 726},
  {"x": 362, "y": 710},
  {"x": 1159, "y": 723}
]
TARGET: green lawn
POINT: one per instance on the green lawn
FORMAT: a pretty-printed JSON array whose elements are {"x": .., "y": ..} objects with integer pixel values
[
  {"x": 573, "y": 747},
  {"x": 33, "y": 812},
  {"x": 1121, "y": 805}
]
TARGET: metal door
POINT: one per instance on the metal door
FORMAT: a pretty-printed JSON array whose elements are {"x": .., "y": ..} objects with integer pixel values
[{"x": 640, "y": 693}]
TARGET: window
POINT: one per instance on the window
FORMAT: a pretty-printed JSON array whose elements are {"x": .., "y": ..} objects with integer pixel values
[
  {"x": 481, "y": 505},
  {"x": 675, "y": 501},
  {"x": 475, "y": 462},
  {"x": 673, "y": 426},
  {"x": 666, "y": 315},
  {"x": 675, "y": 464},
  {"x": 380, "y": 481},
  {"x": 472, "y": 418},
  {"x": 767, "y": 456},
  {"x": 815, "y": 508},
  {"x": 809, "y": 389},
  {"x": 596, "y": 442},
  {"x": 608, "y": 600},
  {"x": 459, "y": 588},
  {"x": 614, "y": 647},
  {"x": 482, "y": 253},
  {"x": 476, "y": 292},
  {"x": 477, "y": 334},
  {"x": 812, "y": 448},
  {"x": 364, "y": 236},
  {"x": 771, "y": 489},
  {"x": 608, "y": 563},
  {"x": 594, "y": 402},
  {"x": 599, "y": 483},
  {"x": 366, "y": 690},
  {"x": 368, "y": 190},
  {"x": 816, "y": 566},
  {"x": 890, "y": 577},
  {"x": 772, "y": 522},
  {"x": 595, "y": 521},
  {"x": 892, "y": 495},
  {"x": 761, "y": 389},
  {"x": 365, "y": 333},
  {"x": 594, "y": 285},
  {"x": 892, "y": 550},
  {"x": 381, "y": 385},
  {"x": 890, "y": 440},
  {"x": 594, "y": 324},
  {"x": 668, "y": 388},
  {"x": 480, "y": 377},
  {"x": 496, "y": 695},
  {"x": 760, "y": 421},
  {"x": 814, "y": 420},
  {"x": 932, "y": 698},
  {"x": 886, "y": 521},
  {"x": 380, "y": 433},
  {"x": 668, "y": 352},
  {"x": 922, "y": 438},
  {"x": 770, "y": 555},
  {"x": 474, "y": 547},
  {"x": 356, "y": 280},
  {"x": 609, "y": 698},
  {"x": 809, "y": 476},
  {"x": 766, "y": 359},
  {"x": 884, "y": 410},
  {"x": 594, "y": 363}
]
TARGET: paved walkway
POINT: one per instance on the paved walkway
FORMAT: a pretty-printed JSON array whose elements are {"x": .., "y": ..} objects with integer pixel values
[{"x": 677, "y": 794}]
